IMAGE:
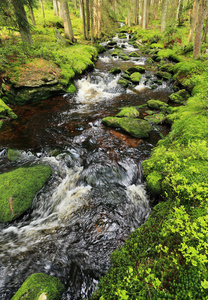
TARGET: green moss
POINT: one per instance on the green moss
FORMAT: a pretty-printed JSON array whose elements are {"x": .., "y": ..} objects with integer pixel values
[
  {"x": 156, "y": 118},
  {"x": 123, "y": 56},
  {"x": 128, "y": 112},
  {"x": 18, "y": 189},
  {"x": 115, "y": 70},
  {"x": 179, "y": 97},
  {"x": 135, "y": 77},
  {"x": 71, "y": 89},
  {"x": 135, "y": 127},
  {"x": 123, "y": 82},
  {"x": 157, "y": 46},
  {"x": 157, "y": 104},
  {"x": 40, "y": 284},
  {"x": 164, "y": 75},
  {"x": 6, "y": 111},
  {"x": 153, "y": 181},
  {"x": 134, "y": 54}
]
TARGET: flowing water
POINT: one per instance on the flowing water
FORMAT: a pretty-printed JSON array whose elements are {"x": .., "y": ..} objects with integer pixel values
[{"x": 96, "y": 196}]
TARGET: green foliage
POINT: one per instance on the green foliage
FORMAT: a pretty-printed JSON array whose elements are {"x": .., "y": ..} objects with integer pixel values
[
  {"x": 128, "y": 112},
  {"x": 40, "y": 285},
  {"x": 18, "y": 188}
]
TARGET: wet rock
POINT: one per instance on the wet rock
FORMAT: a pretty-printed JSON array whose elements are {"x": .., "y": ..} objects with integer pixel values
[
  {"x": 41, "y": 287},
  {"x": 164, "y": 75},
  {"x": 122, "y": 36},
  {"x": 115, "y": 70},
  {"x": 134, "y": 54},
  {"x": 128, "y": 112},
  {"x": 135, "y": 69},
  {"x": 6, "y": 112},
  {"x": 123, "y": 82},
  {"x": 156, "y": 118},
  {"x": 135, "y": 127},
  {"x": 135, "y": 77},
  {"x": 19, "y": 188},
  {"x": 123, "y": 56},
  {"x": 179, "y": 97},
  {"x": 157, "y": 105}
]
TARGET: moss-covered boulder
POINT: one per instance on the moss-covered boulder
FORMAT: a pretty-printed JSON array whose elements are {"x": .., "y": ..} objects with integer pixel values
[
  {"x": 135, "y": 127},
  {"x": 156, "y": 118},
  {"x": 135, "y": 77},
  {"x": 6, "y": 112},
  {"x": 122, "y": 36},
  {"x": 132, "y": 70},
  {"x": 167, "y": 68},
  {"x": 123, "y": 56},
  {"x": 157, "y": 105},
  {"x": 128, "y": 112},
  {"x": 71, "y": 88},
  {"x": 179, "y": 97},
  {"x": 40, "y": 286},
  {"x": 123, "y": 82},
  {"x": 134, "y": 54},
  {"x": 115, "y": 70},
  {"x": 18, "y": 188},
  {"x": 164, "y": 75}
]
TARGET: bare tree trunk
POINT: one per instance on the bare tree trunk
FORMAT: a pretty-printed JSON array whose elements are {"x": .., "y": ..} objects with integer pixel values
[
  {"x": 75, "y": 4},
  {"x": 204, "y": 38},
  {"x": 99, "y": 17},
  {"x": 164, "y": 14},
  {"x": 42, "y": 7},
  {"x": 92, "y": 22},
  {"x": 60, "y": 9},
  {"x": 193, "y": 20},
  {"x": 95, "y": 17},
  {"x": 136, "y": 11},
  {"x": 66, "y": 20},
  {"x": 82, "y": 11},
  {"x": 142, "y": 11},
  {"x": 87, "y": 18},
  {"x": 32, "y": 14},
  {"x": 55, "y": 8},
  {"x": 144, "y": 14},
  {"x": 177, "y": 12},
  {"x": 148, "y": 12},
  {"x": 199, "y": 28},
  {"x": 129, "y": 17},
  {"x": 22, "y": 21}
]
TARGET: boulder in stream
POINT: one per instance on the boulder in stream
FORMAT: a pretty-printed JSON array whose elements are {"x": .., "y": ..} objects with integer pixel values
[
  {"x": 136, "y": 127},
  {"x": 40, "y": 286},
  {"x": 135, "y": 77},
  {"x": 115, "y": 70},
  {"x": 128, "y": 112},
  {"x": 179, "y": 97},
  {"x": 134, "y": 54},
  {"x": 6, "y": 112},
  {"x": 19, "y": 187}
]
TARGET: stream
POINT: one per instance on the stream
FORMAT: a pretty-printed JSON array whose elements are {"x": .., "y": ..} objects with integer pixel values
[{"x": 96, "y": 196}]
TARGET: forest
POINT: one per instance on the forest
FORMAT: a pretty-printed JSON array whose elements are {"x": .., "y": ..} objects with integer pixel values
[{"x": 103, "y": 149}]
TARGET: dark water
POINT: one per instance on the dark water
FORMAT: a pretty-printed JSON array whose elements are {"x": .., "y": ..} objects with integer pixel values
[{"x": 96, "y": 196}]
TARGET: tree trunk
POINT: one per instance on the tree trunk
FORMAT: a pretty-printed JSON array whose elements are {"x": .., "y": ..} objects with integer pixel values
[
  {"x": 55, "y": 8},
  {"x": 129, "y": 17},
  {"x": 148, "y": 12},
  {"x": 204, "y": 38},
  {"x": 177, "y": 12},
  {"x": 99, "y": 17},
  {"x": 193, "y": 19},
  {"x": 75, "y": 4},
  {"x": 42, "y": 7},
  {"x": 92, "y": 21},
  {"x": 32, "y": 14},
  {"x": 144, "y": 14},
  {"x": 87, "y": 18},
  {"x": 82, "y": 12},
  {"x": 164, "y": 14},
  {"x": 66, "y": 20},
  {"x": 22, "y": 21},
  {"x": 199, "y": 28}
]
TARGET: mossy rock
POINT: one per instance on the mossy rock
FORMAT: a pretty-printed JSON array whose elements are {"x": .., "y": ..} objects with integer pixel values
[
  {"x": 167, "y": 68},
  {"x": 132, "y": 70},
  {"x": 122, "y": 36},
  {"x": 164, "y": 75},
  {"x": 123, "y": 56},
  {"x": 157, "y": 104},
  {"x": 6, "y": 112},
  {"x": 128, "y": 112},
  {"x": 149, "y": 112},
  {"x": 40, "y": 286},
  {"x": 156, "y": 46},
  {"x": 179, "y": 97},
  {"x": 156, "y": 118},
  {"x": 100, "y": 48},
  {"x": 135, "y": 127},
  {"x": 71, "y": 89},
  {"x": 150, "y": 61},
  {"x": 153, "y": 181},
  {"x": 123, "y": 82},
  {"x": 134, "y": 54},
  {"x": 140, "y": 69},
  {"x": 135, "y": 77},
  {"x": 115, "y": 70},
  {"x": 116, "y": 52},
  {"x": 18, "y": 188}
]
